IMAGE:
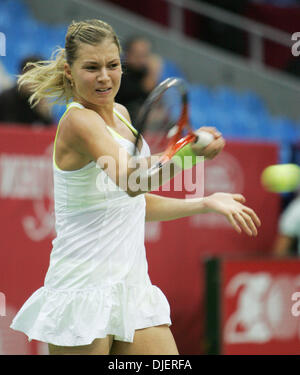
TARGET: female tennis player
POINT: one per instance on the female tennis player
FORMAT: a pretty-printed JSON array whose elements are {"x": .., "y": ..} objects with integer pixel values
[{"x": 97, "y": 297}]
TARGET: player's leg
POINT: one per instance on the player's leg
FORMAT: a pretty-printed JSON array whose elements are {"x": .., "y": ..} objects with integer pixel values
[
  {"x": 97, "y": 347},
  {"x": 156, "y": 340}
]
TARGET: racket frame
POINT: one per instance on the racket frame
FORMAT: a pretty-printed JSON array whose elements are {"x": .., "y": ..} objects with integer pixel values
[{"x": 177, "y": 141}]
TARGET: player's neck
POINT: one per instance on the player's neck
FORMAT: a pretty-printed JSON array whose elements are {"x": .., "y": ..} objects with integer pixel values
[{"x": 105, "y": 111}]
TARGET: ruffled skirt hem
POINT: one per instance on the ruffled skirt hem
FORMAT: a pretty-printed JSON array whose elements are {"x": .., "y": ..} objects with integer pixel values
[{"x": 78, "y": 317}]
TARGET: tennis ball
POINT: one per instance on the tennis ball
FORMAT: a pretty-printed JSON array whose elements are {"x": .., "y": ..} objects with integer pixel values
[{"x": 281, "y": 178}]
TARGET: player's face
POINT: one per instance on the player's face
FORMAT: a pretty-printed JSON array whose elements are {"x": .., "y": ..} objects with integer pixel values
[{"x": 96, "y": 73}]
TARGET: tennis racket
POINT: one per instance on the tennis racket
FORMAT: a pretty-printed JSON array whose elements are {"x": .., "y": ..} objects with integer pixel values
[{"x": 163, "y": 121}]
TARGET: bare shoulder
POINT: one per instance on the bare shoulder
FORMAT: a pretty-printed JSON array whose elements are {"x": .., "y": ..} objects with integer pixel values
[
  {"x": 123, "y": 110},
  {"x": 81, "y": 116},
  {"x": 81, "y": 122},
  {"x": 82, "y": 126}
]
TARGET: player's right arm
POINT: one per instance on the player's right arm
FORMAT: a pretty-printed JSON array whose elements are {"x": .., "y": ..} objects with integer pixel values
[{"x": 89, "y": 136}]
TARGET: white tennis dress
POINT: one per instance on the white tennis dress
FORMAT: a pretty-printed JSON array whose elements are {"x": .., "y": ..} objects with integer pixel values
[{"x": 97, "y": 282}]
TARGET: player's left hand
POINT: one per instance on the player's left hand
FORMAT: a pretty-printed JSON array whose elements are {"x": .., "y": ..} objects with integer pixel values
[
  {"x": 241, "y": 217},
  {"x": 215, "y": 147}
]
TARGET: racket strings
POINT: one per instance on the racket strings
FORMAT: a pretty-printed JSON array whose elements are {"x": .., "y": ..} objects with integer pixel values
[{"x": 164, "y": 119}]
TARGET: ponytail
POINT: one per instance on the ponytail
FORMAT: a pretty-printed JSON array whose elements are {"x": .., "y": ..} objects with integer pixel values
[{"x": 47, "y": 79}]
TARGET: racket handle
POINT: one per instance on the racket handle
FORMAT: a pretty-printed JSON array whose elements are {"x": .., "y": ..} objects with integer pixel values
[{"x": 203, "y": 138}]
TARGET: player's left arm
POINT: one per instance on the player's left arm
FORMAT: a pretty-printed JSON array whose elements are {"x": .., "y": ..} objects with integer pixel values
[{"x": 241, "y": 217}]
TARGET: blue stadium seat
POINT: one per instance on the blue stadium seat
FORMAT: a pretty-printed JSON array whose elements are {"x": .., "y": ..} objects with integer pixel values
[
  {"x": 170, "y": 69},
  {"x": 29, "y": 28},
  {"x": 265, "y": 126},
  {"x": 15, "y": 7},
  {"x": 252, "y": 102},
  {"x": 59, "y": 33},
  {"x": 200, "y": 97},
  {"x": 225, "y": 98},
  {"x": 198, "y": 118},
  {"x": 222, "y": 120},
  {"x": 6, "y": 19},
  {"x": 238, "y": 115}
]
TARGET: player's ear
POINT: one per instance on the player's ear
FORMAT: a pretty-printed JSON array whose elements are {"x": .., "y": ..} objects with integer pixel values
[{"x": 68, "y": 73}]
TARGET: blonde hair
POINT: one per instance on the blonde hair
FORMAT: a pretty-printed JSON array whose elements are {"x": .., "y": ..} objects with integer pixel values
[{"x": 47, "y": 79}]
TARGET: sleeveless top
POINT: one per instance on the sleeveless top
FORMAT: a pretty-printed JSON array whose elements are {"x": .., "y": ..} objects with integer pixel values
[{"x": 100, "y": 228}]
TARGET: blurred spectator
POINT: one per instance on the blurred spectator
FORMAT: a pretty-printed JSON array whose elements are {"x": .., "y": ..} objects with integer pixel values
[
  {"x": 288, "y": 238},
  {"x": 142, "y": 71},
  {"x": 15, "y": 108}
]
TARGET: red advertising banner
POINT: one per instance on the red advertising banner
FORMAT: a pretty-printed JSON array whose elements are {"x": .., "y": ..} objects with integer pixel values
[
  {"x": 260, "y": 305},
  {"x": 27, "y": 224},
  {"x": 175, "y": 250}
]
